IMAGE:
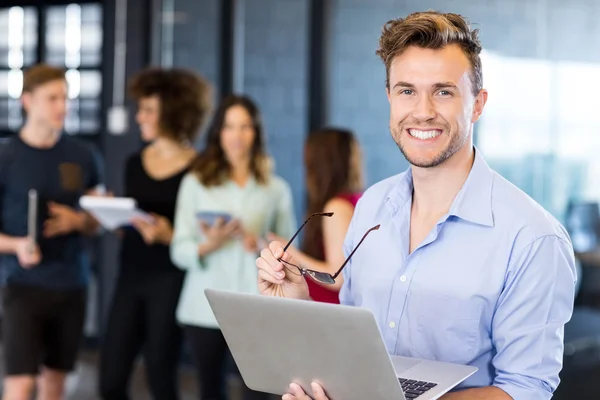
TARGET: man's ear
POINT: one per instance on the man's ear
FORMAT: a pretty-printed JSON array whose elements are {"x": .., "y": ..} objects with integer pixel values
[
  {"x": 480, "y": 101},
  {"x": 26, "y": 100}
]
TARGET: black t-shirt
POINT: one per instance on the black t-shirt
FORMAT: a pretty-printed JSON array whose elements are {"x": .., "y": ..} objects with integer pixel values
[
  {"x": 61, "y": 174},
  {"x": 152, "y": 195}
]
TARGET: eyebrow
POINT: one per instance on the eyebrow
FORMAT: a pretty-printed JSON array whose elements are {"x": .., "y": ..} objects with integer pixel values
[{"x": 439, "y": 85}]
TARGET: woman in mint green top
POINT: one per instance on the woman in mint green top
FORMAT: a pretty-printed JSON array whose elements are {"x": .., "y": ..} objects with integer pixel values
[{"x": 233, "y": 176}]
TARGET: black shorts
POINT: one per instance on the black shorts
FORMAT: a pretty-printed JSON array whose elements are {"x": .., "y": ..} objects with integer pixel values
[{"x": 41, "y": 327}]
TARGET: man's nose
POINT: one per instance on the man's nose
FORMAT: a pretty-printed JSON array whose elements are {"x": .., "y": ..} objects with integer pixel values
[{"x": 425, "y": 109}]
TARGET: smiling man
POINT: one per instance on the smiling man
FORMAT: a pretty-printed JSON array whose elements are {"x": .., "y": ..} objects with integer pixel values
[{"x": 465, "y": 268}]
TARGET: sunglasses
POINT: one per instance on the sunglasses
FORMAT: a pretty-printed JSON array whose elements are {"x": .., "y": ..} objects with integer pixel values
[{"x": 321, "y": 277}]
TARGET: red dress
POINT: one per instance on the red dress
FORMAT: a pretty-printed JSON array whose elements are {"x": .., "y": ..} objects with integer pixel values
[{"x": 320, "y": 292}]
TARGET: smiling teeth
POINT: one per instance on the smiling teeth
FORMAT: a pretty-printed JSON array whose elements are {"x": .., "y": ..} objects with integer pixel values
[{"x": 424, "y": 134}]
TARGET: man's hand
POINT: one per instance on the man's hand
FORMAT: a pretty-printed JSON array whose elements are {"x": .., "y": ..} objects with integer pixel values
[
  {"x": 275, "y": 279},
  {"x": 63, "y": 220},
  {"x": 296, "y": 393},
  {"x": 157, "y": 231},
  {"x": 291, "y": 249},
  {"x": 27, "y": 252}
]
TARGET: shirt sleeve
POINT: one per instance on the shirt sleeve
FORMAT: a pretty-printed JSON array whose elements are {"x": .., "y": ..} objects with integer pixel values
[
  {"x": 185, "y": 241},
  {"x": 285, "y": 220},
  {"x": 528, "y": 323}
]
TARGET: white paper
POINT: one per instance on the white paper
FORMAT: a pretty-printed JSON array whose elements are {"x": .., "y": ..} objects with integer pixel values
[{"x": 112, "y": 212}]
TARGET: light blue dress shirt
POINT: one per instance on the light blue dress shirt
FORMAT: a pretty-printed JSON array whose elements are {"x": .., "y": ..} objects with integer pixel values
[{"x": 492, "y": 285}]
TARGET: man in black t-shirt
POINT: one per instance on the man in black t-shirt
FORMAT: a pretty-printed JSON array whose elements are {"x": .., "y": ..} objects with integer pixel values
[{"x": 45, "y": 280}]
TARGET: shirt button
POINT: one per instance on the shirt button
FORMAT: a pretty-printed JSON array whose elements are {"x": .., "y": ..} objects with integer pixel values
[
  {"x": 392, "y": 324},
  {"x": 403, "y": 278}
]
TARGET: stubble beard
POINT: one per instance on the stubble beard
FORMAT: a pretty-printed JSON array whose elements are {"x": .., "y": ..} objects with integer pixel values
[{"x": 456, "y": 143}]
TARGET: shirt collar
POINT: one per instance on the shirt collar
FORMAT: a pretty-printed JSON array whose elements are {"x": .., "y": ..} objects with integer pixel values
[
  {"x": 473, "y": 202},
  {"x": 251, "y": 183}
]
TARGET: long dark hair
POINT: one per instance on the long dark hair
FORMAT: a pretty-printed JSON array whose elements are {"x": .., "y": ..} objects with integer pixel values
[
  {"x": 211, "y": 167},
  {"x": 332, "y": 167}
]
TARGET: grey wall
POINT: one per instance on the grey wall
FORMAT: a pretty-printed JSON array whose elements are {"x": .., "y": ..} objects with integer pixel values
[
  {"x": 274, "y": 56},
  {"x": 275, "y": 75},
  {"x": 195, "y": 29},
  {"x": 271, "y": 60}
]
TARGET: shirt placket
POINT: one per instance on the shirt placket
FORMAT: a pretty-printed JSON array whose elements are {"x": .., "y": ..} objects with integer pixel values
[
  {"x": 400, "y": 290},
  {"x": 399, "y": 294}
]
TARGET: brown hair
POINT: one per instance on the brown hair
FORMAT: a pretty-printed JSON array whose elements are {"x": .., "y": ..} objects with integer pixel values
[
  {"x": 333, "y": 166},
  {"x": 185, "y": 99},
  {"x": 431, "y": 30},
  {"x": 41, "y": 74},
  {"x": 211, "y": 166}
]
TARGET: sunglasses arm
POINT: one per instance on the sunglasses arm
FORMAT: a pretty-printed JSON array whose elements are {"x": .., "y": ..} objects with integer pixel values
[{"x": 339, "y": 271}]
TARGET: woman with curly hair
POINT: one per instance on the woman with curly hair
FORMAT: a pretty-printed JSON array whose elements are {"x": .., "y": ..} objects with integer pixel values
[
  {"x": 172, "y": 105},
  {"x": 232, "y": 176}
]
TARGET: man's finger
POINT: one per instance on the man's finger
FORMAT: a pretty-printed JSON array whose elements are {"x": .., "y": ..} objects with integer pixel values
[
  {"x": 265, "y": 280},
  {"x": 274, "y": 264},
  {"x": 276, "y": 250},
  {"x": 275, "y": 276},
  {"x": 288, "y": 396},
  {"x": 318, "y": 391},
  {"x": 298, "y": 392}
]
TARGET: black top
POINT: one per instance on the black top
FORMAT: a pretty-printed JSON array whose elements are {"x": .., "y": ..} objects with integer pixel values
[
  {"x": 152, "y": 195},
  {"x": 62, "y": 173}
]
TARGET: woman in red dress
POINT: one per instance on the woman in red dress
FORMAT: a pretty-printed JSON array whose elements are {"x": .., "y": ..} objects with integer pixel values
[{"x": 333, "y": 171}]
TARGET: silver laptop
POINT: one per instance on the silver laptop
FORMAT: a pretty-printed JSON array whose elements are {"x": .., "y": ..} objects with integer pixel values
[{"x": 276, "y": 341}]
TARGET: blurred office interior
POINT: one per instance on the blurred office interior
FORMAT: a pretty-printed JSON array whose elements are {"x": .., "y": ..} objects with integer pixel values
[{"x": 309, "y": 63}]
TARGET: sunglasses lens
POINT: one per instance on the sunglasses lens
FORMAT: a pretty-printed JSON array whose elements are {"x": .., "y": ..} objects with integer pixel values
[{"x": 322, "y": 277}]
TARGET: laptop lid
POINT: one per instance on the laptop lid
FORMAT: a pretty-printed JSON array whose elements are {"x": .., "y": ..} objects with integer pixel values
[{"x": 276, "y": 341}]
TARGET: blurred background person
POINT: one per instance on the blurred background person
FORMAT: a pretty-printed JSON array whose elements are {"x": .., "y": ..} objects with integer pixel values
[
  {"x": 334, "y": 182},
  {"x": 172, "y": 105},
  {"x": 232, "y": 176},
  {"x": 47, "y": 271}
]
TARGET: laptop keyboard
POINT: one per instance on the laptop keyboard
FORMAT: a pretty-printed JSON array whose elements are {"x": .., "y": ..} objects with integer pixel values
[{"x": 413, "y": 389}]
